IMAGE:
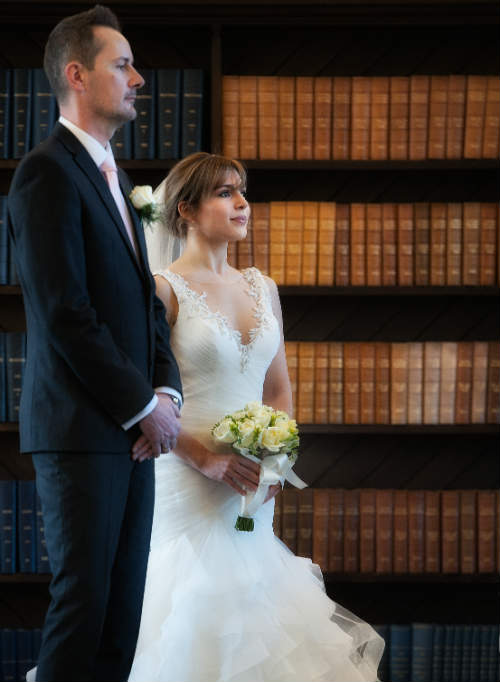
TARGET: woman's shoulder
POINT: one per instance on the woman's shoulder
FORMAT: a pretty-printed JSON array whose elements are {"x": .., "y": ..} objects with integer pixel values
[{"x": 258, "y": 275}]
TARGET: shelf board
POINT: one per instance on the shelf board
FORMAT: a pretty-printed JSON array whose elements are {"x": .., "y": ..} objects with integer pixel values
[
  {"x": 9, "y": 290},
  {"x": 403, "y": 429},
  {"x": 25, "y": 578},
  {"x": 9, "y": 426},
  {"x": 388, "y": 291}
]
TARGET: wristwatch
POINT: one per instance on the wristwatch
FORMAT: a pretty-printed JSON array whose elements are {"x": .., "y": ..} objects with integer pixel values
[{"x": 175, "y": 400}]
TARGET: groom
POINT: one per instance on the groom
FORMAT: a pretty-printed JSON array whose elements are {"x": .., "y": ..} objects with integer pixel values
[{"x": 98, "y": 343}]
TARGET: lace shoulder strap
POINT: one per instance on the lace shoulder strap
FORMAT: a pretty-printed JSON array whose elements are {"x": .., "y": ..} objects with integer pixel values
[
  {"x": 177, "y": 283},
  {"x": 258, "y": 284}
]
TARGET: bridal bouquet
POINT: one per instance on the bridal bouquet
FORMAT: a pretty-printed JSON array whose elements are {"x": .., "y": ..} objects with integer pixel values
[{"x": 268, "y": 437}]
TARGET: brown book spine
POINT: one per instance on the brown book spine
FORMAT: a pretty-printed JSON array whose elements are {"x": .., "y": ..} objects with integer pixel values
[
  {"x": 367, "y": 382},
  {"x": 448, "y": 382},
  {"x": 432, "y": 374},
  {"x": 415, "y": 382},
  {"x": 479, "y": 382},
  {"x": 351, "y": 383},
  {"x": 405, "y": 244},
  {"x": 493, "y": 397},
  {"x": 468, "y": 535},
  {"x": 382, "y": 382},
  {"x": 455, "y": 117},
  {"x": 268, "y": 101},
  {"x": 399, "y": 117},
  {"x": 277, "y": 530},
  {"x": 321, "y": 386},
  {"x": 304, "y": 117},
  {"x": 232, "y": 254},
  {"x": 310, "y": 243},
  {"x": 360, "y": 118},
  {"x": 351, "y": 531},
  {"x": 335, "y": 382},
  {"x": 422, "y": 242},
  {"x": 289, "y": 521},
  {"x": 463, "y": 398},
  {"x": 248, "y": 117},
  {"x": 321, "y": 513},
  {"x": 491, "y": 119},
  {"x": 342, "y": 240},
  {"x": 399, "y": 383},
  {"x": 416, "y": 531},
  {"x": 305, "y": 523},
  {"x": 400, "y": 532},
  {"x": 472, "y": 241},
  {"x": 358, "y": 244},
  {"x": 475, "y": 106},
  {"x": 419, "y": 117},
  {"x": 292, "y": 361},
  {"x": 374, "y": 244},
  {"x": 488, "y": 244},
  {"x": 389, "y": 256},
  {"x": 438, "y": 104},
  {"x": 367, "y": 531},
  {"x": 322, "y": 118},
  {"x": 438, "y": 244},
  {"x": 305, "y": 389},
  {"x": 486, "y": 511},
  {"x": 336, "y": 531},
  {"x": 432, "y": 541},
  {"x": 326, "y": 244},
  {"x": 261, "y": 236},
  {"x": 384, "y": 522},
  {"x": 450, "y": 515},
  {"x": 341, "y": 118},
  {"x": 379, "y": 118},
  {"x": 245, "y": 247},
  {"x": 454, "y": 238},
  {"x": 231, "y": 116},
  {"x": 293, "y": 243},
  {"x": 277, "y": 231},
  {"x": 286, "y": 117}
]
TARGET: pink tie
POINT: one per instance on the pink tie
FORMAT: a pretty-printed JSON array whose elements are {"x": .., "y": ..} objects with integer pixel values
[{"x": 108, "y": 168}]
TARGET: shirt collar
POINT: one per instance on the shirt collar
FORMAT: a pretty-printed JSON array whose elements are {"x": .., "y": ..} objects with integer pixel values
[{"x": 95, "y": 149}]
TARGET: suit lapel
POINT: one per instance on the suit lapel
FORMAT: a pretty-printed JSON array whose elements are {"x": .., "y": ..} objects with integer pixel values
[{"x": 126, "y": 188}]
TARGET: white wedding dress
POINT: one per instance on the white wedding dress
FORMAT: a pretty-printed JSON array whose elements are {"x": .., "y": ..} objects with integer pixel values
[{"x": 222, "y": 605}]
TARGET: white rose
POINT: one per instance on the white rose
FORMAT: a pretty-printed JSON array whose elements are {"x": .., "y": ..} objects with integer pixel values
[
  {"x": 262, "y": 417},
  {"x": 271, "y": 439},
  {"x": 282, "y": 430},
  {"x": 223, "y": 433},
  {"x": 141, "y": 196},
  {"x": 239, "y": 414},
  {"x": 246, "y": 429}
]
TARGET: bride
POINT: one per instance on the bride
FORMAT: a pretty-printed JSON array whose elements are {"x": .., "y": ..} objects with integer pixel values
[{"x": 222, "y": 605}]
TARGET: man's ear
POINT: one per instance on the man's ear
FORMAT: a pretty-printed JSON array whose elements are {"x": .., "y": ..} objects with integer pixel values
[{"x": 75, "y": 74}]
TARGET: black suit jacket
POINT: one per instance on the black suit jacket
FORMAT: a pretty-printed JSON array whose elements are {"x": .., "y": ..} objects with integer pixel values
[{"x": 98, "y": 340}]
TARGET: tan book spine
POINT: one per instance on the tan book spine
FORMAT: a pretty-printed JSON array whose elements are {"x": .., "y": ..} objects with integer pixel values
[
  {"x": 305, "y": 523},
  {"x": 468, "y": 535},
  {"x": 341, "y": 118},
  {"x": 367, "y": 382},
  {"x": 493, "y": 397},
  {"x": 248, "y": 118},
  {"x": 438, "y": 104},
  {"x": 289, "y": 520},
  {"x": 488, "y": 244},
  {"x": 416, "y": 530},
  {"x": 379, "y": 118},
  {"x": 342, "y": 241},
  {"x": 245, "y": 247},
  {"x": 321, "y": 513},
  {"x": 358, "y": 244},
  {"x": 399, "y": 383},
  {"x": 374, "y": 244},
  {"x": 422, "y": 243},
  {"x": 415, "y": 382},
  {"x": 321, "y": 385},
  {"x": 351, "y": 531},
  {"x": 384, "y": 522},
  {"x": 454, "y": 239},
  {"x": 261, "y": 236},
  {"x": 232, "y": 254},
  {"x": 310, "y": 243},
  {"x": 455, "y": 118},
  {"x": 231, "y": 116},
  {"x": 479, "y": 382},
  {"x": 475, "y": 107},
  {"x": 389, "y": 255},
  {"x": 432, "y": 519},
  {"x": 450, "y": 518},
  {"x": 335, "y": 382},
  {"x": 432, "y": 374},
  {"x": 322, "y": 118},
  {"x": 351, "y": 383},
  {"x": 292, "y": 361},
  {"x": 491, "y": 119},
  {"x": 382, "y": 382},
  {"x": 367, "y": 531},
  {"x": 293, "y": 243},
  {"x": 305, "y": 389},
  {"x": 400, "y": 532},
  {"x": 304, "y": 119},
  {"x": 326, "y": 243},
  {"x": 360, "y": 118},
  {"x": 463, "y": 399},
  {"x": 277, "y": 232},
  {"x": 419, "y": 117},
  {"x": 438, "y": 244},
  {"x": 268, "y": 103},
  {"x": 336, "y": 531},
  {"x": 286, "y": 118},
  {"x": 399, "y": 118},
  {"x": 406, "y": 237},
  {"x": 486, "y": 530},
  {"x": 277, "y": 530},
  {"x": 448, "y": 382},
  {"x": 472, "y": 241}
]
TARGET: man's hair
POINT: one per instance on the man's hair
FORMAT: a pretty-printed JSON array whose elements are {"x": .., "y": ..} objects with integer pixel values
[{"x": 73, "y": 39}]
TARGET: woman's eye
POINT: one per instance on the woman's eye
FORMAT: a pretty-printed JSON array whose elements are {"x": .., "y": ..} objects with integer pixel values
[{"x": 225, "y": 194}]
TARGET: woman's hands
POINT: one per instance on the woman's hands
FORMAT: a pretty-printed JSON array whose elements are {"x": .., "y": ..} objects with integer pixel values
[
  {"x": 238, "y": 472},
  {"x": 272, "y": 492}
]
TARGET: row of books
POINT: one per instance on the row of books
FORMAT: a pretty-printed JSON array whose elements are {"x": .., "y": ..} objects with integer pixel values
[
  {"x": 392, "y": 531},
  {"x": 429, "y": 652},
  {"x": 313, "y": 243},
  {"x": 22, "y": 537},
  {"x": 169, "y": 122},
  {"x": 12, "y": 363},
  {"x": 19, "y": 648},
  {"x": 8, "y": 270},
  {"x": 361, "y": 118},
  {"x": 432, "y": 382}
]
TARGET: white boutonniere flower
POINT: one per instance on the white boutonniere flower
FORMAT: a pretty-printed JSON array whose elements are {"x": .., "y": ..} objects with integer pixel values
[{"x": 143, "y": 200}]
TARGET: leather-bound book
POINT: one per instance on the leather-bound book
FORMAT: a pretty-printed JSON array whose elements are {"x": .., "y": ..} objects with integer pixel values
[
  {"x": 399, "y": 118},
  {"x": 286, "y": 118},
  {"x": 367, "y": 382},
  {"x": 400, "y": 532},
  {"x": 419, "y": 117},
  {"x": 336, "y": 382},
  {"x": 405, "y": 244},
  {"x": 472, "y": 242},
  {"x": 261, "y": 236},
  {"x": 305, "y": 523},
  {"x": 232, "y": 254},
  {"x": 231, "y": 116},
  {"x": 309, "y": 273},
  {"x": 475, "y": 108},
  {"x": 322, "y": 149},
  {"x": 415, "y": 382},
  {"x": 304, "y": 119},
  {"x": 432, "y": 374},
  {"x": 293, "y": 242},
  {"x": 463, "y": 397},
  {"x": 455, "y": 119},
  {"x": 493, "y": 397},
  {"x": 487, "y": 531},
  {"x": 389, "y": 241},
  {"x": 438, "y": 104},
  {"x": 292, "y": 361},
  {"x": 432, "y": 541},
  {"x": 422, "y": 243},
  {"x": 245, "y": 247},
  {"x": 277, "y": 232},
  {"x": 277, "y": 515},
  {"x": 321, "y": 514},
  {"x": 268, "y": 101},
  {"x": 382, "y": 382},
  {"x": 416, "y": 526},
  {"x": 336, "y": 531},
  {"x": 479, "y": 382},
  {"x": 305, "y": 389},
  {"x": 384, "y": 521},
  {"x": 379, "y": 119},
  {"x": 367, "y": 530},
  {"x": 351, "y": 531},
  {"x": 439, "y": 218},
  {"x": 454, "y": 239},
  {"x": 360, "y": 118},
  {"x": 468, "y": 533},
  {"x": 450, "y": 515},
  {"x": 399, "y": 383},
  {"x": 248, "y": 118},
  {"x": 448, "y": 382},
  {"x": 326, "y": 243},
  {"x": 488, "y": 244},
  {"x": 491, "y": 119},
  {"x": 351, "y": 383},
  {"x": 374, "y": 245},
  {"x": 341, "y": 118},
  {"x": 289, "y": 520},
  {"x": 342, "y": 240},
  {"x": 321, "y": 385},
  {"x": 358, "y": 244}
]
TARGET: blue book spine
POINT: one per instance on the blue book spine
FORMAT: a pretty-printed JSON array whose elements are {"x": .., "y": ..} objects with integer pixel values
[
  {"x": 484, "y": 650},
  {"x": 475, "y": 653},
  {"x": 26, "y": 522},
  {"x": 15, "y": 343},
  {"x": 9, "y": 655},
  {"x": 37, "y": 642},
  {"x": 121, "y": 142},
  {"x": 24, "y": 646},
  {"x": 44, "y": 107},
  {"x": 5, "y": 107},
  {"x": 466, "y": 654},
  {"x": 144, "y": 123},
  {"x": 400, "y": 653},
  {"x": 42, "y": 558},
  {"x": 493, "y": 655},
  {"x": 437, "y": 653},
  {"x": 421, "y": 652},
  {"x": 8, "y": 528},
  {"x": 13, "y": 276},
  {"x": 449, "y": 634},
  {"x": 21, "y": 111},
  {"x": 383, "y": 668},
  {"x": 4, "y": 242},
  {"x": 168, "y": 93},
  {"x": 192, "y": 111},
  {"x": 3, "y": 379},
  {"x": 457, "y": 652}
]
